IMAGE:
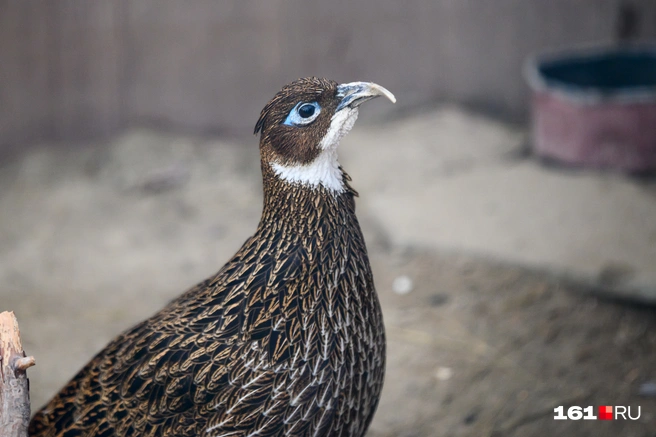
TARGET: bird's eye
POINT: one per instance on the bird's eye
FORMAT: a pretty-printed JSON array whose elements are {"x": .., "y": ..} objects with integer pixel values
[
  {"x": 306, "y": 110},
  {"x": 303, "y": 114}
]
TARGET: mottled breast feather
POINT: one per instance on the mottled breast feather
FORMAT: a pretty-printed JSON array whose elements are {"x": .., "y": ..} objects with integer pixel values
[{"x": 285, "y": 340}]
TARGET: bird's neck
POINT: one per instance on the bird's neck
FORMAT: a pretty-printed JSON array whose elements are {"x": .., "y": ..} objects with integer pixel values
[{"x": 306, "y": 208}]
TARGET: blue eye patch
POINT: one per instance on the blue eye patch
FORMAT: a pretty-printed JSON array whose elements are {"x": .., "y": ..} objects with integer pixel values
[{"x": 303, "y": 114}]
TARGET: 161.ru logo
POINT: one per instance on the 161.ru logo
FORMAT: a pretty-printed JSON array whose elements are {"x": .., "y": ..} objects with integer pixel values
[{"x": 605, "y": 412}]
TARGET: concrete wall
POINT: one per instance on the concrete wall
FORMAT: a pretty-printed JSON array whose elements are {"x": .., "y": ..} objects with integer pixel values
[{"x": 79, "y": 68}]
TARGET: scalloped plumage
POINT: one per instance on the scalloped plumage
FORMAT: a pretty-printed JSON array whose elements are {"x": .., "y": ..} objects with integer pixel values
[{"x": 287, "y": 339}]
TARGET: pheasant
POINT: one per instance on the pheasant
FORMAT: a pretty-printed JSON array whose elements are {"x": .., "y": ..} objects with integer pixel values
[{"x": 287, "y": 339}]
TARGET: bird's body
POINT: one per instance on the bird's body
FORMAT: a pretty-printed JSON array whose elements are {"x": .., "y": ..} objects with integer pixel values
[{"x": 287, "y": 339}]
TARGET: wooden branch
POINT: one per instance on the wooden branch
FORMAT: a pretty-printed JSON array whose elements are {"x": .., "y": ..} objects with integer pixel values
[{"x": 14, "y": 386}]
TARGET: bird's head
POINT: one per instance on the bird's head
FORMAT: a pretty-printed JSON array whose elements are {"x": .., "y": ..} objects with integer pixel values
[{"x": 303, "y": 124}]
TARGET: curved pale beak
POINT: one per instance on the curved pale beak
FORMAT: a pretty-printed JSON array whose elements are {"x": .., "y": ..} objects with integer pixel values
[{"x": 355, "y": 93}]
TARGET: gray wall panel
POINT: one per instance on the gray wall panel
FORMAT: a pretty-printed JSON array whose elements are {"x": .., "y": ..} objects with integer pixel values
[{"x": 77, "y": 68}]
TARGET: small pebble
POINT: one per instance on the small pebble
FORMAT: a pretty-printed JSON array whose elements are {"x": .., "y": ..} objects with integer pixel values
[
  {"x": 443, "y": 373},
  {"x": 470, "y": 418},
  {"x": 648, "y": 389},
  {"x": 438, "y": 299},
  {"x": 402, "y": 285}
]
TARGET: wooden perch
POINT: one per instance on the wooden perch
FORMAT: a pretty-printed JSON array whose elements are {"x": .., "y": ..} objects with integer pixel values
[{"x": 14, "y": 388}]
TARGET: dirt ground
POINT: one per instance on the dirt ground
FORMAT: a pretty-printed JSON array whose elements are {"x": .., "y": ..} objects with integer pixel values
[
  {"x": 517, "y": 346},
  {"x": 94, "y": 239}
]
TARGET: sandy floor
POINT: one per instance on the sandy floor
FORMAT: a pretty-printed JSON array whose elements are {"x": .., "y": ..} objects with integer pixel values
[{"x": 94, "y": 239}]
